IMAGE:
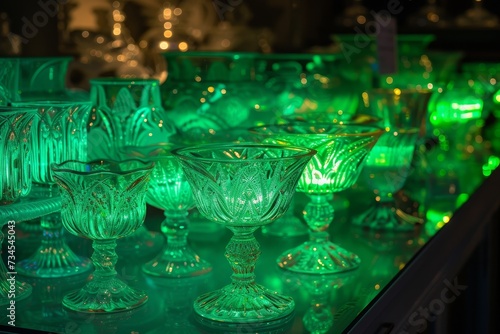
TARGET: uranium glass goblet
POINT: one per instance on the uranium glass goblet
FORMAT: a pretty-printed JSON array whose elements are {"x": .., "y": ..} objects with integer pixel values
[
  {"x": 243, "y": 186},
  {"x": 169, "y": 190},
  {"x": 385, "y": 171},
  {"x": 290, "y": 224},
  {"x": 15, "y": 144},
  {"x": 342, "y": 151},
  {"x": 55, "y": 137},
  {"x": 103, "y": 201}
]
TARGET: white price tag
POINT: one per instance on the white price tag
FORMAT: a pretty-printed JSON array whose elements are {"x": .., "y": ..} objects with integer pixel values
[{"x": 387, "y": 48}]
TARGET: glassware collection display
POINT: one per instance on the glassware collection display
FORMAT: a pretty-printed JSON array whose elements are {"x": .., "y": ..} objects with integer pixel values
[
  {"x": 111, "y": 157},
  {"x": 243, "y": 186},
  {"x": 103, "y": 201},
  {"x": 169, "y": 190},
  {"x": 342, "y": 151},
  {"x": 55, "y": 138}
]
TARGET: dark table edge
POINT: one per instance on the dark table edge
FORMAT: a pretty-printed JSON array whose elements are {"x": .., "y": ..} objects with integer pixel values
[{"x": 439, "y": 260}]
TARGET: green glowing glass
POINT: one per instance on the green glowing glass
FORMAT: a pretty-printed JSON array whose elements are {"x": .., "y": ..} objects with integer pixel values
[
  {"x": 243, "y": 186},
  {"x": 169, "y": 190},
  {"x": 103, "y": 201},
  {"x": 290, "y": 225},
  {"x": 43, "y": 78},
  {"x": 9, "y": 77},
  {"x": 398, "y": 108},
  {"x": 213, "y": 90},
  {"x": 327, "y": 117},
  {"x": 319, "y": 290},
  {"x": 300, "y": 83},
  {"x": 56, "y": 137},
  {"x": 342, "y": 151},
  {"x": 127, "y": 112},
  {"x": 415, "y": 68},
  {"x": 386, "y": 169},
  {"x": 457, "y": 117},
  {"x": 15, "y": 138},
  {"x": 456, "y": 105}
]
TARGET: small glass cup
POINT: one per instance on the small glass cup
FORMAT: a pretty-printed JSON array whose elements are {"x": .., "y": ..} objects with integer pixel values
[
  {"x": 103, "y": 201},
  {"x": 169, "y": 190}
]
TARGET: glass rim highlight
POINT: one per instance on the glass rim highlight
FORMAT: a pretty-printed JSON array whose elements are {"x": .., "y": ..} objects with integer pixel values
[
  {"x": 122, "y": 81},
  {"x": 64, "y": 166},
  {"x": 372, "y": 129},
  {"x": 13, "y": 110},
  {"x": 42, "y": 103},
  {"x": 401, "y": 91},
  {"x": 148, "y": 152},
  {"x": 181, "y": 152}
]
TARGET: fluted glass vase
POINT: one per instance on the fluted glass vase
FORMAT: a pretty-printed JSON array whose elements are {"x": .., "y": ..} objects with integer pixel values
[
  {"x": 15, "y": 181},
  {"x": 57, "y": 137}
]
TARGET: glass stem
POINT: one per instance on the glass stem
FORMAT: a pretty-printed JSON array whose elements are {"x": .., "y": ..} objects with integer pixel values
[
  {"x": 52, "y": 231},
  {"x": 318, "y": 215},
  {"x": 242, "y": 252},
  {"x": 175, "y": 228},
  {"x": 104, "y": 259}
]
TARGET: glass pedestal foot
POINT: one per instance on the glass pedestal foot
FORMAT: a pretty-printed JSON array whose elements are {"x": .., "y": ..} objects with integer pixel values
[
  {"x": 53, "y": 258},
  {"x": 142, "y": 243},
  {"x": 387, "y": 217},
  {"x": 318, "y": 257},
  {"x": 110, "y": 295},
  {"x": 54, "y": 262},
  {"x": 28, "y": 235},
  {"x": 177, "y": 262},
  {"x": 11, "y": 289},
  {"x": 243, "y": 304}
]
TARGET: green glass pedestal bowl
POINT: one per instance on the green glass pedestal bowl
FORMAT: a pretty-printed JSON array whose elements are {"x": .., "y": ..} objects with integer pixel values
[
  {"x": 243, "y": 186},
  {"x": 342, "y": 152}
]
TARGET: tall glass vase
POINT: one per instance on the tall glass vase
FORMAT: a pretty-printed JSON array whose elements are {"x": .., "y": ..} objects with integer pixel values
[
  {"x": 127, "y": 112},
  {"x": 54, "y": 137},
  {"x": 15, "y": 181}
]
